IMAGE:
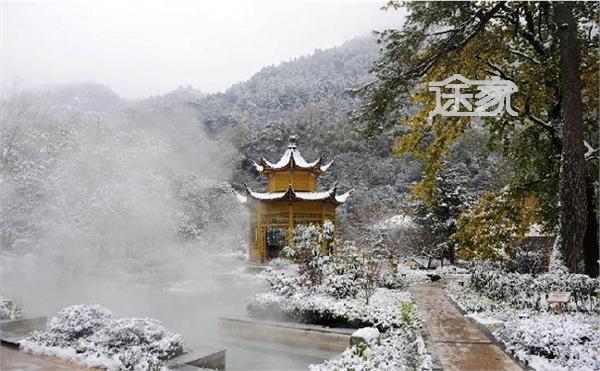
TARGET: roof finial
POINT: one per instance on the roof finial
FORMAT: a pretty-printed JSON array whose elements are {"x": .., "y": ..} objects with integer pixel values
[{"x": 293, "y": 141}]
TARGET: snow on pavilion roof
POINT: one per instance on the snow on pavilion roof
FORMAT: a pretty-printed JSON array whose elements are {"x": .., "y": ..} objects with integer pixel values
[
  {"x": 291, "y": 194},
  {"x": 292, "y": 159}
]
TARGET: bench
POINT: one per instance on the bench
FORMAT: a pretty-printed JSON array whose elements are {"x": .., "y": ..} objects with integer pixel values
[{"x": 561, "y": 298}]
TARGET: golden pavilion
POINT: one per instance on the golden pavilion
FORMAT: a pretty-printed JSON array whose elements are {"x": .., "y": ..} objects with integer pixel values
[{"x": 291, "y": 199}]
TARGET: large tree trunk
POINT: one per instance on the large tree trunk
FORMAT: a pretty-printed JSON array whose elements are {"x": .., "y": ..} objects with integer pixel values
[
  {"x": 452, "y": 254},
  {"x": 590, "y": 242},
  {"x": 573, "y": 211}
]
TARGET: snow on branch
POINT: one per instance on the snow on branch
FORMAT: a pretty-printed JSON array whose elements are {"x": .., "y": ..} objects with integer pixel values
[{"x": 590, "y": 152}]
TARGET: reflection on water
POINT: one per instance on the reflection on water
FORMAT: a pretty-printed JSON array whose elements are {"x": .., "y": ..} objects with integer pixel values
[{"x": 187, "y": 296}]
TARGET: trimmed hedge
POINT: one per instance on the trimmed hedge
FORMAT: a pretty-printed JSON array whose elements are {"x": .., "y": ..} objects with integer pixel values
[{"x": 531, "y": 291}]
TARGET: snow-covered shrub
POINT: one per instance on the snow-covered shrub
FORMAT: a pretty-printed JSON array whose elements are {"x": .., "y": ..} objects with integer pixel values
[
  {"x": 281, "y": 282},
  {"x": 390, "y": 279},
  {"x": 146, "y": 336},
  {"x": 72, "y": 324},
  {"x": 368, "y": 277},
  {"x": 307, "y": 252},
  {"x": 328, "y": 234},
  {"x": 8, "y": 309},
  {"x": 87, "y": 334},
  {"x": 554, "y": 342},
  {"x": 339, "y": 278},
  {"x": 386, "y": 309},
  {"x": 470, "y": 300},
  {"x": 391, "y": 308},
  {"x": 517, "y": 303},
  {"x": 307, "y": 238},
  {"x": 340, "y": 286},
  {"x": 529, "y": 291},
  {"x": 136, "y": 359},
  {"x": 400, "y": 349}
]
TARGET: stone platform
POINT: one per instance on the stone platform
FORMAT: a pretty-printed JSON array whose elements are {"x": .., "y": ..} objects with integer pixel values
[
  {"x": 287, "y": 333},
  {"x": 13, "y": 330},
  {"x": 198, "y": 358},
  {"x": 12, "y": 359}
]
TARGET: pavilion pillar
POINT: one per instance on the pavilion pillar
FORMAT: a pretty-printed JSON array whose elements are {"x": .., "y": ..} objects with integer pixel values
[
  {"x": 323, "y": 245},
  {"x": 290, "y": 234},
  {"x": 260, "y": 236}
]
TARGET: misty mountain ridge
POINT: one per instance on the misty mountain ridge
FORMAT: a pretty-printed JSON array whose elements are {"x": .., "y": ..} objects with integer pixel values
[
  {"x": 83, "y": 96},
  {"x": 326, "y": 71}
]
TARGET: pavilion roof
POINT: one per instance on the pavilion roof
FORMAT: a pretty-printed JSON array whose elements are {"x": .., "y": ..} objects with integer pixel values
[
  {"x": 292, "y": 159},
  {"x": 291, "y": 194}
]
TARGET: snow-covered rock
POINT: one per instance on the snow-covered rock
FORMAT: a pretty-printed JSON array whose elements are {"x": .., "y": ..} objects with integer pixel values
[{"x": 369, "y": 335}]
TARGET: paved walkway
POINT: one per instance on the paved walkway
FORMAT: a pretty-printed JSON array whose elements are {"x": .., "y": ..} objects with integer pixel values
[
  {"x": 459, "y": 344},
  {"x": 11, "y": 359}
]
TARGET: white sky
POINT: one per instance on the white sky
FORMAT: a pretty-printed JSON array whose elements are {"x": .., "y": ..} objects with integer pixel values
[{"x": 151, "y": 47}]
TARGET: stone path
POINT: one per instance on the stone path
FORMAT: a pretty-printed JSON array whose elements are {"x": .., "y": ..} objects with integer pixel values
[
  {"x": 11, "y": 359},
  {"x": 459, "y": 344}
]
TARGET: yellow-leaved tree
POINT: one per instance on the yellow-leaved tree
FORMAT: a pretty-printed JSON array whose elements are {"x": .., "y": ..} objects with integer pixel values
[{"x": 550, "y": 51}]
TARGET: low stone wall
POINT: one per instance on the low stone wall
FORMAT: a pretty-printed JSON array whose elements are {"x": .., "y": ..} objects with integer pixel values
[
  {"x": 288, "y": 333},
  {"x": 23, "y": 324},
  {"x": 13, "y": 330}
]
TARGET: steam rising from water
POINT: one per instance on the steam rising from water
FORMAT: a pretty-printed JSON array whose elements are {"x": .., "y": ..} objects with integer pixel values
[
  {"x": 127, "y": 207},
  {"x": 94, "y": 198}
]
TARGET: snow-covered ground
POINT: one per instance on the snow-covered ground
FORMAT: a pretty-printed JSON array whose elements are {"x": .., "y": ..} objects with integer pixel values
[
  {"x": 543, "y": 339},
  {"x": 554, "y": 341}
]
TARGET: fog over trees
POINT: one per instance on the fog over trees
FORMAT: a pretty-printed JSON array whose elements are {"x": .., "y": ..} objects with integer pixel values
[
  {"x": 85, "y": 172},
  {"x": 83, "y": 164}
]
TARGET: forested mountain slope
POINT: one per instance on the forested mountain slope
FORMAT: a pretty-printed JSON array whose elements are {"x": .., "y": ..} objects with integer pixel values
[
  {"x": 198, "y": 147},
  {"x": 309, "y": 97}
]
